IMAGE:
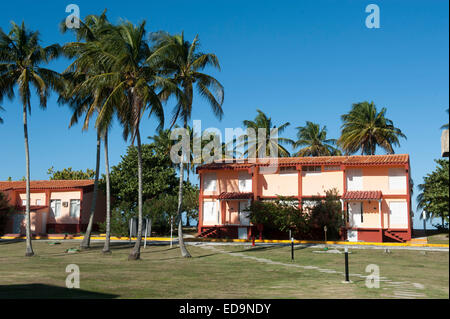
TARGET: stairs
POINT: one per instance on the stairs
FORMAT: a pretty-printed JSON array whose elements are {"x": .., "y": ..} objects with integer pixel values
[
  {"x": 211, "y": 232},
  {"x": 399, "y": 237}
]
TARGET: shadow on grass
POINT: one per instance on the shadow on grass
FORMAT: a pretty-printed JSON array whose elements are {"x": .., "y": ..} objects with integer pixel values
[
  {"x": 10, "y": 241},
  {"x": 31, "y": 291}
]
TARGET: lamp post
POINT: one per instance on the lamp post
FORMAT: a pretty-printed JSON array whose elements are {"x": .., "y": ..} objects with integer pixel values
[
  {"x": 424, "y": 217},
  {"x": 347, "y": 280}
]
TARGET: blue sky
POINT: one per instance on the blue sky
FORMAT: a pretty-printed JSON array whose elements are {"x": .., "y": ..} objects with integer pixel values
[{"x": 295, "y": 60}]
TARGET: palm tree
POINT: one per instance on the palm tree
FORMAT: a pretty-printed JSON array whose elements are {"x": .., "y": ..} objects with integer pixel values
[
  {"x": 88, "y": 102},
  {"x": 133, "y": 82},
  {"x": 182, "y": 60},
  {"x": 445, "y": 126},
  {"x": 314, "y": 141},
  {"x": 20, "y": 58},
  {"x": 271, "y": 144},
  {"x": 1, "y": 109},
  {"x": 364, "y": 129}
]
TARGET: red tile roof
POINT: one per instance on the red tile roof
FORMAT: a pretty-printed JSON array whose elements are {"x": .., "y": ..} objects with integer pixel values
[
  {"x": 358, "y": 195},
  {"x": 54, "y": 184},
  {"x": 357, "y": 160},
  {"x": 235, "y": 195}
]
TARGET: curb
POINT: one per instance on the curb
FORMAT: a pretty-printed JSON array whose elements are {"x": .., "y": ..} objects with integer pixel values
[{"x": 265, "y": 241}]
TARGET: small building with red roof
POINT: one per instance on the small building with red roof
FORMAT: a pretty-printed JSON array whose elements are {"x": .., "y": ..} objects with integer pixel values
[{"x": 56, "y": 206}]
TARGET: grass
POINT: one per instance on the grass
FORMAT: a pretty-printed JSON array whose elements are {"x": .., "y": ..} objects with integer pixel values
[
  {"x": 162, "y": 273},
  {"x": 438, "y": 239}
]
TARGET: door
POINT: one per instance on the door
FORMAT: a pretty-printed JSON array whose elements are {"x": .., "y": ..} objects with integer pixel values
[
  {"x": 18, "y": 223},
  {"x": 352, "y": 235},
  {"x": 242, "y": 233},
  {"x": 398, "y": 215},
  {"x": 243, "y": 215},
  {"x": 210, "y": 213},
  {"x": 354, "y": 179},
  {"x": 354, "y": 213}
]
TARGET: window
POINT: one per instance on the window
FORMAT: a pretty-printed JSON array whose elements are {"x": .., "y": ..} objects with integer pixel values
[
  {"x": 210, "y": 212},
  {"x": 397, "y": 179},
  {"x": 354, "y": 179},
  {"x": 312, "y": 168},
  {"x": 308, "y": 204},
  {"x": 24, "y": 202},
  {"x": 288, "y": 170},
  {"x": 38, "y": 202},
  {"x": 398, "y": 214},
  {"x": 245, "y": 182},
  {"x": 75, "y": 208},
  {"x": 331, "y": 168},
  {"x": 55, "y": 206},
  {"x": 209, "y": 182}
]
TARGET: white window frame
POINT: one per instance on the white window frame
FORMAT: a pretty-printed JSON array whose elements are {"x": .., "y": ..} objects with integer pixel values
[
  {"x": 245, "y": 182},
  {"x": 352, "y": 184},
  {"x": 38, "y": 202},
  {"x": 215, "y": 217},
  {"x": 77, "y": 202},
  {"x": 397, "y": 179},
  {"x": 209, "y": 182},
  {"x": 56, "y": 212}
]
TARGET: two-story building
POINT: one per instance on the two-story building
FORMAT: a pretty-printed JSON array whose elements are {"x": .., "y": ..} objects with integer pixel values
[
  {"x": 56, "y": 206},
  {"x": 374, "y": 191}
]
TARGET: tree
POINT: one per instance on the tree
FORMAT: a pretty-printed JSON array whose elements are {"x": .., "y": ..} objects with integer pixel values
[
  {"x": 364, "y": 129},
  {"x": 87, "y": 101},
  {"x": 21, "y": 57},
  {"x": 5, "y": 210},
  {"x": 271, "y": 144},
  {"x": 158, "y": 177},
  {"x": 327, "y": 212},
  {"x": 314, "y": 142},
  {"x": 1, "y": 120},
  {"x": 133, "y": 82},
  {"x": 434, "y": 192},
  {"x": 69, "y": 174},
  {"x": 182, "y": 61}
]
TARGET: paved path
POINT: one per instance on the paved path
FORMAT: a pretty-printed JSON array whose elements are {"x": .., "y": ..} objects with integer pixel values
[{"x": 403, "y": 290}]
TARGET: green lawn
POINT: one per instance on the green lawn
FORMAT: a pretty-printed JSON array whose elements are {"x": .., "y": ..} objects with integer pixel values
[
  {"x": 212, "y": 273},
  {"x": 438, "y": 239}
]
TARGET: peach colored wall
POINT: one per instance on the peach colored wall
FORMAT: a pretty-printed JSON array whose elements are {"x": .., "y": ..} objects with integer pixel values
[
  {"x": 371, "y": 216},
  {"x": 33, "y": 198},
  {"x": 314, "y": 184},
  {"x": 227, "y": 181},
  {"x": 278, "y": 184},
  {"x": 38, "y": 222},
  {"x": 232, "y": 212},
  {"x": 377, "y": 178},
  {"x": 64, "y": 217}
]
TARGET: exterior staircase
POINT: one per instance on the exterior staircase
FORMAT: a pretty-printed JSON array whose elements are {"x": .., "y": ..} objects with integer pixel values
[
  {"x": 210, "y": 232},
  {"x": 395, "y": 236}
]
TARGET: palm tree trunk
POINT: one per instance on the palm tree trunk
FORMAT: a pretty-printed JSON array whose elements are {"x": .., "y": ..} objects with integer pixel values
[
  {"x": 136, "y": 252},
  {"x": 184, "y": 252},
  {"x": 85, "y": 243},
  {"x": 106, "y": 248},
  {"x": 188, "y": 224},
  {"x": 29, "y": 249}
]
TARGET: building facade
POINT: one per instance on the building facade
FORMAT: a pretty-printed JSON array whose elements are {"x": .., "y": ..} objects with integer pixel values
[
  {"x": 56, "y": 206},
  {"x": 374, "y": 191}
]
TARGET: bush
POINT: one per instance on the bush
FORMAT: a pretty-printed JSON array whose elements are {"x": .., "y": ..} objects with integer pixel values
[
  {"x": 283, "y": 215},
  {"x": 5, "y": 211}
]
